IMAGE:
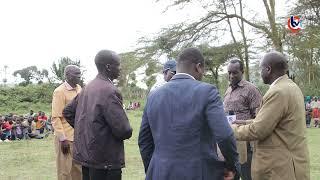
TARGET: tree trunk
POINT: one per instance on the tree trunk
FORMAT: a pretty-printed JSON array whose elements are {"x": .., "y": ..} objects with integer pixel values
[{"x": 246, "y": 52}]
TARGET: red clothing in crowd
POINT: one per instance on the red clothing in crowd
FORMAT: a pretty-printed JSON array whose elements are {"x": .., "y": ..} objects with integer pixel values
[
  {"x": 7, "y": 126},
  {"x": 42, "y": 118}
]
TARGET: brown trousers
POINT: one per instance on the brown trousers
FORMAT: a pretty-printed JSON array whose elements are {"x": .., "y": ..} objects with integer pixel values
[{"x": 67, "y": 169}]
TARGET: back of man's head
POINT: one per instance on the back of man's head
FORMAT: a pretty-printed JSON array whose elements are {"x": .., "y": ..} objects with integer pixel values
[
  {"x": 189, "y": 56},
  {"x": 103, "y": 58},
  {"x": 277, "y": 61},
  {"x": 191, "y": 61}
]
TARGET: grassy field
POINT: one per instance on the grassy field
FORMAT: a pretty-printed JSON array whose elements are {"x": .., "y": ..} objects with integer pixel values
[{"x": 35, "y": 159}]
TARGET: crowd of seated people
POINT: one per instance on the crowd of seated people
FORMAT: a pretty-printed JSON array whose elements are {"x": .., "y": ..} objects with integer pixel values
[{"x": 18, "y": 127}]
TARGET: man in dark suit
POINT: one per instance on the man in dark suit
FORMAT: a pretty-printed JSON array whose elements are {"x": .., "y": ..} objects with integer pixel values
[{"x": 182, "y": 123}]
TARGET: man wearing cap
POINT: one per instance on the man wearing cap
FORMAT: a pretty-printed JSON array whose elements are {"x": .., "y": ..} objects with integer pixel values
[
  {"x": 169, "y": 70},
  {"x": 62, "y": 95}
]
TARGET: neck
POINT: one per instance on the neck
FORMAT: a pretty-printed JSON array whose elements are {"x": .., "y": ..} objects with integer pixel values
[
  {"x": 72, "y": 84},
  {"x": 275, "y": 77},
  {"x": 105, "y": 75}
]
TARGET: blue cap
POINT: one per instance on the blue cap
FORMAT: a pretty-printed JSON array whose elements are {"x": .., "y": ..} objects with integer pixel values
[{"x": 170, "y": 65}]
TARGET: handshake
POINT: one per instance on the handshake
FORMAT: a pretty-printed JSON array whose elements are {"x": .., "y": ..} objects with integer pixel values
[{"x": 232, "y": 119}]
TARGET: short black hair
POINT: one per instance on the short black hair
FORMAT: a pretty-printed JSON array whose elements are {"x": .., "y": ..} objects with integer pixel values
[
  {"x": 190, "y": 55},
  {"x": 234, "y": 61},
  {"x": 104, "y": 57}
]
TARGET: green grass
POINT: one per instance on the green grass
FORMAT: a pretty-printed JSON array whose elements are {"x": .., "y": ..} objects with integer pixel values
[{"x": 35, "y": 159}]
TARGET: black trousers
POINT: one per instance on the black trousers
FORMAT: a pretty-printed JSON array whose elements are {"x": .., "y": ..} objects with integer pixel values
[
  {"x": 100, "y": 174},
  {"x": 246, "y": 167}
]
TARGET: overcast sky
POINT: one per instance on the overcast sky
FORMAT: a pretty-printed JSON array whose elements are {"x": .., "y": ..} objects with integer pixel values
[{"x": 38, "y": 32}]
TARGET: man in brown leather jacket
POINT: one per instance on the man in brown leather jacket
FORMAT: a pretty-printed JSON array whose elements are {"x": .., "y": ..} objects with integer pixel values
[{"x": 100, "y": 122}]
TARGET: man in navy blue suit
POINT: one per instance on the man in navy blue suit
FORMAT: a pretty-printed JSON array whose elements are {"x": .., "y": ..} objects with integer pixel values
[{"x": 182, "y": 123}]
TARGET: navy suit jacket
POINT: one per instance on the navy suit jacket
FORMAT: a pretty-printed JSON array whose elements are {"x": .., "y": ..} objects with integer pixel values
[{"x": 182, "y": 122}]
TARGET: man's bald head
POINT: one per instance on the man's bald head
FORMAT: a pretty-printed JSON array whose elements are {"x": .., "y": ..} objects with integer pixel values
[
  {"x": 108, "y": 63},
  {"x": 72, "y": 75},
  {"x": 277, "y": 61},
  {"x": 273, "y": 65},
  {"x": 191, "y": 61},
  {"x": 105, "y": 57}
]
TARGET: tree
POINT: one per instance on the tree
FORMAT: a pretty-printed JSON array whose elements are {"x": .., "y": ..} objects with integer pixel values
[
  {"x": 304, "y": 48},
  {"x": 309, "y": 9},
  {"x": 151, "y": 72},
  {"x": 208, "y": 27},
  {"x": 243, "y": 56},
  {"x": 130, "y": 62},
  {"x": 31, "y": 73},
  {"x": 58, "y": 68}
]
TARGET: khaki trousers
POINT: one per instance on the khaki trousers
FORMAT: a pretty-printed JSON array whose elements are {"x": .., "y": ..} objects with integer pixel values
[{"x": 67, "y": 169}]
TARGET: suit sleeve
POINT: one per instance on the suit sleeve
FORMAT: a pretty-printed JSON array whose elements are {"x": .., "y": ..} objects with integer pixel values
[
  {"x": 116, "y": 117},
  {"x": 266, "y": 120},
  {"x": 69, "y": 112},
  {"x": 58, "y": 103},
  {"x": 145, "y": 141},
  {"x": 221, "y": 130}
]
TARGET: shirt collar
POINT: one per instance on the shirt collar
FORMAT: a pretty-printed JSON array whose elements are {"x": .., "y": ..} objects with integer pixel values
[
  {"x": 68, "y": 86},
  {"x": 274, "y": 82},
  {"x": 186, "y": 75},
  {"x": 239, "y": 84}
]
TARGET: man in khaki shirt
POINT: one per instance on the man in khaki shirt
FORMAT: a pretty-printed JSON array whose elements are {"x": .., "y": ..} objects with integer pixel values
[{"x": 62, "y": 95}]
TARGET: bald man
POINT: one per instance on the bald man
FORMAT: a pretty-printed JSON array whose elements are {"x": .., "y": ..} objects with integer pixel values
[
  {"x": 182, "y": 123},
  {"x": 281, "y": 150},
  {"x": 100, "y": 122},
  {"x": 62, "y": 95}
]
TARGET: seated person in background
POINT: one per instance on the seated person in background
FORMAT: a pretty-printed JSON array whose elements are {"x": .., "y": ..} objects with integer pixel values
[
  {"x": 17, "y": 129},
  {"x": 26, "y": 127},
  {"x": 1, "y": 131},
  {"x": 39, "y": 125},
  {"x": 7, "y": 127},
  {"x": 42, "y": 120},
  {"x": 316, "y": 117},
  {"x": 30, "y": 114}
]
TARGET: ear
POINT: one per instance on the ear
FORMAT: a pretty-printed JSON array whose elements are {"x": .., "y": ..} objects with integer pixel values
[
  {"x": 199, "y": 68},
  {"x": 108, "y": 67},
  {"x": 269, "y": 69}
]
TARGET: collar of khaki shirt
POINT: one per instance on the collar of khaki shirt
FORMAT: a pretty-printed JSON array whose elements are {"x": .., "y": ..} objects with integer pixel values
[
  {"x": 69, "y": 87},
  {"x": 274, "y": 82}
]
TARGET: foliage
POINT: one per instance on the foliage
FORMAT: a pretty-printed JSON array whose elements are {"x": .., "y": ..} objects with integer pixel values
[
  {"x": 151, "y": 72},
  {"x": 58, "y": 68},
  {"x": 31, "y": 73},
  {"x": 130, "y": 61},
  {"x": 21, "y": 99}
]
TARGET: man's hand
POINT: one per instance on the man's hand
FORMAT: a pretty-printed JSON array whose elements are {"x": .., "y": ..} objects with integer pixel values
[
  {"x": 65, "y": 147},
  {"x": 228, "y": 175}
]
